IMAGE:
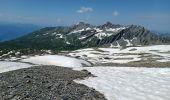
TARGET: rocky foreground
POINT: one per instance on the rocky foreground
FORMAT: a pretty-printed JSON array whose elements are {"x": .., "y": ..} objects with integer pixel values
[{"x": 46, "y": 83}]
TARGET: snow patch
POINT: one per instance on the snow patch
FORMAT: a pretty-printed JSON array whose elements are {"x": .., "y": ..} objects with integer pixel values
[
  {"x": 100, "y": 35},
  {"x": 17, "y": 53},
  {"x": 119, "y": 55},
  {"x": 83, "y": 37},
  {"x": 115, "y": 29},
  {"x": 88, "y": 28},
  {"x": 98, "y": 29},
  {"x": 10, "y": 66},
  {"x": 54, "y": 33},
  {"x": 46, "y": 34},
  {"x": 128, "y": 42},
  {"x": 128, "y": 83},
  {"x": 59, "y": 35},
  {"x": 77, "y": 31},
  {"x": 113, "y": 46},
  {"x": 57, "y": 60},
  {"x": 68, "y": 42}
]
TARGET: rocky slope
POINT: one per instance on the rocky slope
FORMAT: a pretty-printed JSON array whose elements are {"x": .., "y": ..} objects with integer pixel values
[
  {"x": 46, "y": 83},
  {"x": 86, "y": 35}
]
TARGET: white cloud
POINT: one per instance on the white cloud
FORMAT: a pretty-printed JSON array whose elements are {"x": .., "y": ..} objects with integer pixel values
[
  {"x": 85, "y": 10},
  {"x": 115, "y": 13}
]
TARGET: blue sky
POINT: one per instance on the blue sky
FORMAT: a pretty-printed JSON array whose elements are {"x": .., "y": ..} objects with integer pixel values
[{"x": 153, "y": 14}]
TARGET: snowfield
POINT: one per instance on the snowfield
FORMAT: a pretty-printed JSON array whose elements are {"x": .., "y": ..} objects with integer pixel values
[
  {"x": 56, "y": 60},
  {"x": 116, "y": 83},
  {"x": 159, "y": 53},
  {"x": 10, "y": 66},
  {"x": 124, "y": 83}
]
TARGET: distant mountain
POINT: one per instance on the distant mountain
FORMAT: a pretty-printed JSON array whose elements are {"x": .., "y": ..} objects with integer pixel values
[
  {"x": 85, "y": 35},
  {"x": 10, "y": 31}
]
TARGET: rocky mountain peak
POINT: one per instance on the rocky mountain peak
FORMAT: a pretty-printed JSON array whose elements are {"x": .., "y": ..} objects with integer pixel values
[
  {"x": 85, "y": 35},
  {"x": 81, "y": 25},
  {"x": 109, "y": 25}
]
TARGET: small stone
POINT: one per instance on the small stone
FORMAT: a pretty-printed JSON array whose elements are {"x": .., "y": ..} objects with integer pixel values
[
  {"x": 27, "y": 76},
  {"x": 84, "y": 55},
  {"x": 77, "y": 56},
  {"x": 86, "y": 71},
  {"x": 133, "y": 49},
  {"x": 68, "y": 83},
  {"x": 26, "y": 95},
  {"x": 65, "y": 97},
  {"x": 28, "y": 81},
  {"x": 107, "y": 58},
  {"x": 10, "y": 86},
  {"x": 49, "y": 87}
]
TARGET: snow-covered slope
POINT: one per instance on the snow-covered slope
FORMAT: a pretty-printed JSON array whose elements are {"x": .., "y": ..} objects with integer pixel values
[
  {"x": 116, "y": 83},
  {"x": 159, "y": 53},
  {"x": 124, "y": 83},
  {"x": 57, "y": 60},
  {"x": 10, "y": 66}
]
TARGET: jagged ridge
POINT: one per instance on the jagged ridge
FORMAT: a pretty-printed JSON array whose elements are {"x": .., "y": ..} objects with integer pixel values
[{"x": 85, "y": 35}]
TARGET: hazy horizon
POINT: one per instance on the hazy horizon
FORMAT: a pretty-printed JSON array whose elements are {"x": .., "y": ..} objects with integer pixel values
[{"x": 152, "y": 14}]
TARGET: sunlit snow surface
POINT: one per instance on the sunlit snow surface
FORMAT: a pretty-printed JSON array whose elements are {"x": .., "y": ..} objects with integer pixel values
[
  {"x": 10, "y": 66},
  {"x": 116, "y": 83},
  {"x": 126, "y": 55},
  {"x": 57, "y": 60},
  {"x": 124, "y": 83}
]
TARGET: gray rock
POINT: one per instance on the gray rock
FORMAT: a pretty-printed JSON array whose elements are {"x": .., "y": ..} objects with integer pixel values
[{"x": 46, "y": 83}]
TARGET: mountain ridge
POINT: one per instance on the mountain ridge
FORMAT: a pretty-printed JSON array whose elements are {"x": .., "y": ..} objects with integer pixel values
[{"x": 83, "y": 35}]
